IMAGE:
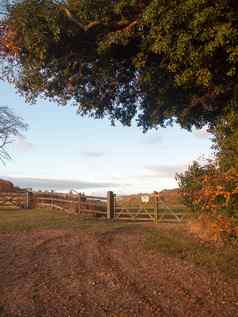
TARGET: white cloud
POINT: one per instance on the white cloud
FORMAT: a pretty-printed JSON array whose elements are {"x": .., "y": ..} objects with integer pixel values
[
  {"x": 165, "y": 171},
  {"x": 155, "y": 177},
  {"x": 92, "y": 154},
  {"x": 58, "y": 184}
]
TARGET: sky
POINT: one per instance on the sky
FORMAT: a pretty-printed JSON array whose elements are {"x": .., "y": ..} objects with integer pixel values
[{"x": 62, "y": 151}]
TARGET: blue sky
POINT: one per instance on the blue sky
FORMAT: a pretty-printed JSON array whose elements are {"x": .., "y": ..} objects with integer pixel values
[{"x": 62, "y": 150}]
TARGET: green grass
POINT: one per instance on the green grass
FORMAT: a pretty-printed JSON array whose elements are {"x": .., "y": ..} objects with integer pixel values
[
  {"x": 12, "y": 221},
  {"x": 168, "y": 240},
  {"x": 178, "y": 244}
]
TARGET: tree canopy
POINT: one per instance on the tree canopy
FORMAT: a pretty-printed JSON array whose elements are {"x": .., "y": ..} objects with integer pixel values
[
  {"x": 158, "y": 61},
  {"x": 226, "y": 141}
]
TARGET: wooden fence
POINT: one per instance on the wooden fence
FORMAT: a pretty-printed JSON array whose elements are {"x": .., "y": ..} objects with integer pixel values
[
  {"x": 73, "y": 203},
  {"x": 110, "y": 207},
  {"x": 15, "y": 200}
]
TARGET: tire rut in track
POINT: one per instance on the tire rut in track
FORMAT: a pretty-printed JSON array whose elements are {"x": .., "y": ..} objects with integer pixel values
[{"x": 128, "y": 276}]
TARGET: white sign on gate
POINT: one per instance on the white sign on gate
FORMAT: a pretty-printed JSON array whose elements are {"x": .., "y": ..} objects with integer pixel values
[{"x": 145, "y": 198}]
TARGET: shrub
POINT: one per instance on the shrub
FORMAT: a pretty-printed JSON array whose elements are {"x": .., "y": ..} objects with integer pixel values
[{"x": 191, "y": 183}]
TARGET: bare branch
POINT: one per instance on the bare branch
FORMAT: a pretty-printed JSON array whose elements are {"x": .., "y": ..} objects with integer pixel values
[
  {"x": 10, "y": 127},
  {"x": 85, "y": 28},
  {"x": 72, "y": 18}
]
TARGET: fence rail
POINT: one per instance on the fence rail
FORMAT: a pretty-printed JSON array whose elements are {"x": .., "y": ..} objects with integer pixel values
[
  {"x": 14, "y": 200},
  {"x": 73, "y": 203}
]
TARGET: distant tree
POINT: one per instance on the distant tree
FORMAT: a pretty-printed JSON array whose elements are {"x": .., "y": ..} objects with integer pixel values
[
  {"x": 154, "y": 60},
  {"x": 10, "y": 126}
]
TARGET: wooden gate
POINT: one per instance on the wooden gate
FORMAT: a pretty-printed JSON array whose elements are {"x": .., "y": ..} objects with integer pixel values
[
  {"x": 150, "y": 208},
  {"x": 129, "y": 210}
]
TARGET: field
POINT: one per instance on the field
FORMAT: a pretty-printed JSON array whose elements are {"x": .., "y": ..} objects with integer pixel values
[{"x": 54, "y": 264}]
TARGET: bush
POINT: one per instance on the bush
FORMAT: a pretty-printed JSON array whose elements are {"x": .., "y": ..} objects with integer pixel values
[
  {"x": 191, "y": 183},
  {"x": 208, "y": 189},
  {"x": 212, "y": 189}
]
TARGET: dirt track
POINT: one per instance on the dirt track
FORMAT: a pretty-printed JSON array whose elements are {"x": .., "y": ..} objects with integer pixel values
[{"x": 64, "y": 273}]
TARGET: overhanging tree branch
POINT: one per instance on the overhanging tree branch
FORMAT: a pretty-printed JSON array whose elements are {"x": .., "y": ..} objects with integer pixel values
[{"x": 85, "y": 28}]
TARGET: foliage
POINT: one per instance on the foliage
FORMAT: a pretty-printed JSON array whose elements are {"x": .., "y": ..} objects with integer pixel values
[
  {"x": 191, "y": 183},
  {"x": 209, "y": 189},
  {"x": 216, "y": 229},
  {"x": 7, "y": 42},
  {"x": 10, "y": 126},
  {"x": 219, "y": 193},
  {"x": 226, "y": 141},
  {"x": 155, "y": 60},
  {"x": 212, "y": 188}
]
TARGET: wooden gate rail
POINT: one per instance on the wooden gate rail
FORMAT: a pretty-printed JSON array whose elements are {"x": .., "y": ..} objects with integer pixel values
[
  {"x": 134, "y": 213},
  {"x": 155, "y": 210}
]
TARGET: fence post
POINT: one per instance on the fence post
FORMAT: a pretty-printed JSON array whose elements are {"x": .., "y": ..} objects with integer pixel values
[
  {"x": 27, "y": 200},
  {"x": 79, "y": 203},
  {"x": 156, "y": 207},
  {"x": 51, "y": 202},
  {"x": 29, "y": 196},
  {"x": 110, "y": 205}
]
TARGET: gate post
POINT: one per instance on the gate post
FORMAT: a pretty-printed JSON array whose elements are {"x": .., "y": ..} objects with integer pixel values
[
  {"x": 156, "y": 207},
  {"x": 110, "y": 205}
]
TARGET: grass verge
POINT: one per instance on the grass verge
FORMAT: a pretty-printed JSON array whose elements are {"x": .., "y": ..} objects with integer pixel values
[
  {"x": 13, "y": 221},
  {"x": 177, "y": 243}
]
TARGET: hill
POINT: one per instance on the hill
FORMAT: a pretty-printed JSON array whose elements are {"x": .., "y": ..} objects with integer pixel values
[{"x": 170, "y": 197}]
